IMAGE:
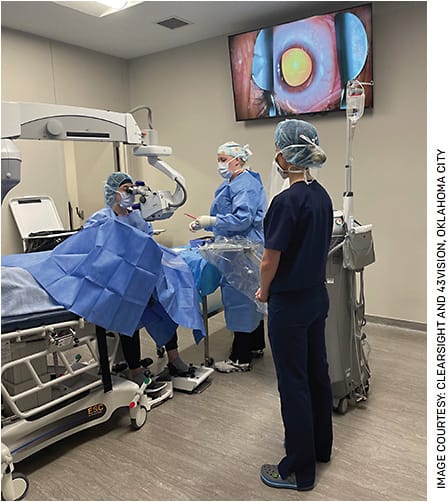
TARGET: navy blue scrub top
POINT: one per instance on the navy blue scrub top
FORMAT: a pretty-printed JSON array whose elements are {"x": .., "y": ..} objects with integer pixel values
[{"x": 299, "y": 223}]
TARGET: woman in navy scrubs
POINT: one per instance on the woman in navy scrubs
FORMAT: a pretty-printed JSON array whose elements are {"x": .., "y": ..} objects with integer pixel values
[{"x": 297, "y": 229}]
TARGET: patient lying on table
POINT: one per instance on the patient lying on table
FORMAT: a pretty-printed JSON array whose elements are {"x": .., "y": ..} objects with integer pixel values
[{"x": 115, "y": 275}]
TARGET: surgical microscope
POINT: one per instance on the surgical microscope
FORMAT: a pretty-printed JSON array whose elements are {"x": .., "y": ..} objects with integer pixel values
[{"x": 40, "y": 121}]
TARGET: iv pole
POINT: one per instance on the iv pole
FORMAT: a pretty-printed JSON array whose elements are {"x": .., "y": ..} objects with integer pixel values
[{"x": 355, "y": 100}]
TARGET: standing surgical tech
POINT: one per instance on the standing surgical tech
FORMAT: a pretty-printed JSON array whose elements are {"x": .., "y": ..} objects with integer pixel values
[
  {"x": 238, "y": 209},
  {"x": 298, "y": 228},
  {"x": 119, "y": 205}
]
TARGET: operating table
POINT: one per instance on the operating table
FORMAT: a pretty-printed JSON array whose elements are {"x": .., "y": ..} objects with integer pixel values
[
  {"x": 55, "y": 372},
  {"x": 55, "y": 380}
]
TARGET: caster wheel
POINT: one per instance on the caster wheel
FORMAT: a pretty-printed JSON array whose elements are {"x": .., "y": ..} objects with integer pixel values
[
  {"x": 342, "y": 406},
  {"x": 367, "y": 388},
  {"x": 20, "y": 485},
  {"x": 139, "y": 421}
]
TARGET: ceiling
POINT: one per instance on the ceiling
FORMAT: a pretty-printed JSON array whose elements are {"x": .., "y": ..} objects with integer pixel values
[{"x": 133, "y": 32}]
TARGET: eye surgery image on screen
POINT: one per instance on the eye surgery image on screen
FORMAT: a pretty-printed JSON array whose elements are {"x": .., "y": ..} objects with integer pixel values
[{"x": 301, "y": 67}]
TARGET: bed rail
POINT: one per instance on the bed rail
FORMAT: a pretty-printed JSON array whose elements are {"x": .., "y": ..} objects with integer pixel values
[{"x": 47, "y": 376}]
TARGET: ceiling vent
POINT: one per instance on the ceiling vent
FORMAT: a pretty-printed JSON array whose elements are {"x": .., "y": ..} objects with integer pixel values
[{"x": 173, "y": 22}]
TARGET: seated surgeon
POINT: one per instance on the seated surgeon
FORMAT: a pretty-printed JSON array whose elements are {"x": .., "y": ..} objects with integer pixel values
[{"x": 119, "y": 205}]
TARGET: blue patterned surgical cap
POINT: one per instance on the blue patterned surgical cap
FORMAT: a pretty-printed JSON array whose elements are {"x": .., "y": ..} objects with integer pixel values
[
  {"x": 114, "y": 181},
  {"x": 298, "y": 132},
  {"x": 235, "y": 150}
]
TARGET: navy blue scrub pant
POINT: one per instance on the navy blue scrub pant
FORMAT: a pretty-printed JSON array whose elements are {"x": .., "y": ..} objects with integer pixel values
[{"x": 296, "y": 330}]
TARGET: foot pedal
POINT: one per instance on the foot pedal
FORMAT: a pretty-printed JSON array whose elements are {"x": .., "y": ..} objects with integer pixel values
[
  {"x": 155, "y": 388},
  {"x": 190, "y": 373}
]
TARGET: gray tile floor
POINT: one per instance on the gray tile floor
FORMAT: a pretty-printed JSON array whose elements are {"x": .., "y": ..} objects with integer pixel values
[{"x": 210, "y": 446}]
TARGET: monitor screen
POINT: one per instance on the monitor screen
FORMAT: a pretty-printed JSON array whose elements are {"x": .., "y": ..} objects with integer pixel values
[{"x": 301, "y": 67}]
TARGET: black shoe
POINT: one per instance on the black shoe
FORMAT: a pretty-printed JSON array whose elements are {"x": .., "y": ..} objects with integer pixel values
[{"x": 146, "y": 362}]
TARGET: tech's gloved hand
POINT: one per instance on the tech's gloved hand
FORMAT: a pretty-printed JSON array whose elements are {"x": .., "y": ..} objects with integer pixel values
[
  {"x": 194, "y": 226},
  {"x": 204, "y": 221}
]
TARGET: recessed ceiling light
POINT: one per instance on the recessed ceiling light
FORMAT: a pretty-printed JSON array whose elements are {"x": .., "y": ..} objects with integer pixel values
[
  {"x": 100, "y": 8},
  {"x": 113, "y": 4}
]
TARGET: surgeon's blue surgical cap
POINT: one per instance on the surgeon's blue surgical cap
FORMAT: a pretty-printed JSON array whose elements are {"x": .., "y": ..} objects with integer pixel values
[
  {"x": 235, "y": 150},
  {"x": 113, "y": 182},
  {"x": 304, "y": 137}
]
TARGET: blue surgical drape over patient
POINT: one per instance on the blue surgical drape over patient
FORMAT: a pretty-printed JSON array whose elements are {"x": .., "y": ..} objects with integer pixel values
[{"x": 107, "y": 274}]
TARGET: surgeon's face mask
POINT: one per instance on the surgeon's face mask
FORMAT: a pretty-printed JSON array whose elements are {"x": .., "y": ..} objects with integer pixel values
[
  {"x": 223, "y": 169},
  {"x": 127, "y": 199}
]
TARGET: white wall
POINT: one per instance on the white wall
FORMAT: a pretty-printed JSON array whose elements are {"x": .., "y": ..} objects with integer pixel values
[
  {"x": 190, "y": 92},
  {"x": 40, "y": 70}
]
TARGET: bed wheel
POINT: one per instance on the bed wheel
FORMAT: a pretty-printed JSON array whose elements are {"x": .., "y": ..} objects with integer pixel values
[
  {"x": 342, "y": 406},
  {"x": 140, "y": 419},
  {"x": 20, "y": 486}
]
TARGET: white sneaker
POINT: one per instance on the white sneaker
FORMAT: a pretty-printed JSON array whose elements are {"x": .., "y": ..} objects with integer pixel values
[{"x": 228, "y": 366}]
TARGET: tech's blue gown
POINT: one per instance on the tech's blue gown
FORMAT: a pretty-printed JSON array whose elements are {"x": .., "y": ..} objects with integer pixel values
[{"x": 239, "y": 206}]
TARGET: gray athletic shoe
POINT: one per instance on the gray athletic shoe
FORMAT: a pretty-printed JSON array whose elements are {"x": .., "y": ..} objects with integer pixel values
[{"x": 270, "y": 476}]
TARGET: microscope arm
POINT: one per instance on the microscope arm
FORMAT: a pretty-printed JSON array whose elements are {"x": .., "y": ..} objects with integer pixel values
[
  {"x": 161, "y": 204},
  {"x": 42, "y": 121},
  {"x": 70, "y": 123}
]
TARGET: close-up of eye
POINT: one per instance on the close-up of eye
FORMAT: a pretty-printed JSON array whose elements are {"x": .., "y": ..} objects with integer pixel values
[
  {"x": 300, "y": 67},
  {"x": 306, "y": 76}
]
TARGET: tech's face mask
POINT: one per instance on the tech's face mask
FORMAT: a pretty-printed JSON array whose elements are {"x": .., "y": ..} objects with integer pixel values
[
  {"x": 223, "y": 169},
  {"x": 280, "y": 170}
]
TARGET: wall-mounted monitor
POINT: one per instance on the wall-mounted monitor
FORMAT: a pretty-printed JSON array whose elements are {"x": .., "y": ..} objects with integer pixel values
[{"x": 301, "y": 67}]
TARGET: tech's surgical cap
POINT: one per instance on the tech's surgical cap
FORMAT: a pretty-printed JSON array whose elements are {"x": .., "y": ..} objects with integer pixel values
[
  {"x": 114, "y": 181},
  {"x": 235, "y": 150},
  {"x": 294, "y": 133}
]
